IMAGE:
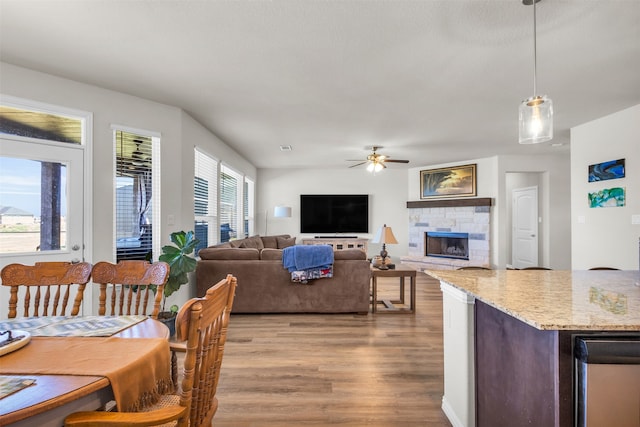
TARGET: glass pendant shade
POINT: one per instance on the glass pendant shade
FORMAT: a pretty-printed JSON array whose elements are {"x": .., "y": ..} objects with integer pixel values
[{"x": 536, "y": 120}]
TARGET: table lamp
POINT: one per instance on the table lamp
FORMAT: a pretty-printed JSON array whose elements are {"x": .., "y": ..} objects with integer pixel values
[{"x": 384, "y": 236}]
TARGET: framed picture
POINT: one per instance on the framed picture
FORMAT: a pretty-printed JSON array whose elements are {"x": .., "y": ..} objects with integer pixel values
[
  {"x": 613, "y": 169},
  {"x": 454, "y": 181},
  {"x": 608, "y": 197}
]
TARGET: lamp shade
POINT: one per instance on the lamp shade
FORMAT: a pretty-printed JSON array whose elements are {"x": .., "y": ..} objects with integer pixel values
[
  {"x": 535, "y": 120},
  {"x": 384, "y": 235},
  {"x": 282, "y": 212}
]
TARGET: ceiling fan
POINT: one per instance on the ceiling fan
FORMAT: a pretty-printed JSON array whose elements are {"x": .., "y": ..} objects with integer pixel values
[{"x": 376, "y": 162}]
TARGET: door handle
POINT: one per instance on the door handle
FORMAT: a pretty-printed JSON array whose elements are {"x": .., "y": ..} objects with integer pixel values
[{"x": 75, "y": 247}]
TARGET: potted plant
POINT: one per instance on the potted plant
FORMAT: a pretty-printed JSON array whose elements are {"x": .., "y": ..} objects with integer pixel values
[{"x": 180, "y": 261}]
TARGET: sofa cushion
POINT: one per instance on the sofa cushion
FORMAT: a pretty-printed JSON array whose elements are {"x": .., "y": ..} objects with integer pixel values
[
  {"x": 271, "y": 254},
  {"x": 284, "y": 242},
  {"x": 349, "y": 254},
  {"x": 252, "y": 242},
  {"x": 229, "y": 253},
  {"x": 271, "y": 241}
]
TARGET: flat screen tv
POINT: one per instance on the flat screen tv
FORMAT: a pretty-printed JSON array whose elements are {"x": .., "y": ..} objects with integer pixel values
[{"x": 334, "y": 213}]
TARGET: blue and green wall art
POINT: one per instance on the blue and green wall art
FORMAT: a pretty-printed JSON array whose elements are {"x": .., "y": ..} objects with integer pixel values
[{"x": 606, "y": 198}]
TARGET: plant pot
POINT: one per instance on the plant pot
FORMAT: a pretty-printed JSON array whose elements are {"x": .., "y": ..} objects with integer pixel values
[{"x": 169, "y": 319}]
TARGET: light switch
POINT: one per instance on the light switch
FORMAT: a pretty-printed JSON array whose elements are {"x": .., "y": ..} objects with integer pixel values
[
  {"x": 581, "y": 219},
  {"x": 171, "y": 219},
  {"x": 635, "y": 219}
]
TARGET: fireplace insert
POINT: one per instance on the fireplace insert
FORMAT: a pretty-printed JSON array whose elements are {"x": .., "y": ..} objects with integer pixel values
[{"x": 447, "y": 245}]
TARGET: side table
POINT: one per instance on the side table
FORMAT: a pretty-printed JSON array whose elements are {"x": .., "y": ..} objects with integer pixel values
[{"x": 401, "y": 272}]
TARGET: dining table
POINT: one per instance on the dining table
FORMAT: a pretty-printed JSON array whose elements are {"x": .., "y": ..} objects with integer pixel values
[{"x": 82, "y": 363}]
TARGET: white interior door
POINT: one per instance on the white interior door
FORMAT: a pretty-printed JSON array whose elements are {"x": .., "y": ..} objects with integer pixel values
[
  {"x": 525, "y": 227},
  {"x": 41, "y": 204}
]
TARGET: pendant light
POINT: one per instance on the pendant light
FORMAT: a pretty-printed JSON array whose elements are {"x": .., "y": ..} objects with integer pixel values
[{"x": 535, "y": 113}]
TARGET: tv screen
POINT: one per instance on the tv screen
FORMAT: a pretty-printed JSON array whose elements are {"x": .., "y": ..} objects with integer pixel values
[{"x": 334, "y": 213}]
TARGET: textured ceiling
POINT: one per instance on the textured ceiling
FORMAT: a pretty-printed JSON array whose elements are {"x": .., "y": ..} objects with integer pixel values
[{"x": 432, "y": 81}]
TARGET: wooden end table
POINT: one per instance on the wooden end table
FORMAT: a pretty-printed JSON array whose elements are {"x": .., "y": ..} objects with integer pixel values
[{"x": 401, "y": 272}]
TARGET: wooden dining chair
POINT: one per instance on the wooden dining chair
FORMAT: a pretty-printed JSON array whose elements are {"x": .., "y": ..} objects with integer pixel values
[
  {"x": 202, "y": 323},
  {"x": 46, "y": 287},
  {"x": 130, "y": 287}
]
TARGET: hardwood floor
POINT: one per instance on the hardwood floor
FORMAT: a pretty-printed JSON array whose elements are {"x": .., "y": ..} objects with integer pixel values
[{"x": 347, "y": 370}]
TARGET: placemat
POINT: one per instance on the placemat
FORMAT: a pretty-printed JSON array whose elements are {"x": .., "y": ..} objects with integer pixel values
[
  {"x": 71, "y": 326},
  {"x": 11, "y": 384}
]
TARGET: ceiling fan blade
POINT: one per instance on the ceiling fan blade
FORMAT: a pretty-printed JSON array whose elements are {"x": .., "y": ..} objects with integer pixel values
[
  {"x": 357, "y": 164},
  {"x": 395, "y": 161}
]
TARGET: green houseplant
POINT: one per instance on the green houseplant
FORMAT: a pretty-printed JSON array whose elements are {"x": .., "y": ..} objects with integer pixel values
[{"x": 180, "y": 261}]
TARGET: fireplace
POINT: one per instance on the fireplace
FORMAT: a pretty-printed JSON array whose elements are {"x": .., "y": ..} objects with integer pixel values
[{"x": 447, "y": 245}]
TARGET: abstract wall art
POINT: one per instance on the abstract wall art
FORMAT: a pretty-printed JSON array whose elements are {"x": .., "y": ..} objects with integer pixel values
[
  {"x": 613, "y": 169},
  {"x": 608, "y": 197}
]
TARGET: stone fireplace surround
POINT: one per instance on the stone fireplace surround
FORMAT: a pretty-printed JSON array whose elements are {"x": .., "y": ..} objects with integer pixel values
[{"x": 449, "y": 215}]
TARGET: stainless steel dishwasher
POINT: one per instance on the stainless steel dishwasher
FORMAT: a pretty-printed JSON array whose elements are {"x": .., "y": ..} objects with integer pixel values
[{"x": 607, "y": 380}]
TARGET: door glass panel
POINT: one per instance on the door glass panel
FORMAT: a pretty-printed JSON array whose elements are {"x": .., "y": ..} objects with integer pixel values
[{"x": 33, "y": 205}]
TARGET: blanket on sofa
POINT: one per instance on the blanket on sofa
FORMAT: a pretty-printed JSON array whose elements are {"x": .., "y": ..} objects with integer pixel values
[
  {"x": 303, "y": 257},
  {"x": 307, "y": 262}
]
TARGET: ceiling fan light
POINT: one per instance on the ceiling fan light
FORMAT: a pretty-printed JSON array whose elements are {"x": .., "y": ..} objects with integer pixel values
[
  {"x": 535, "y": 117},
  {"x": 375, "y": 167}
]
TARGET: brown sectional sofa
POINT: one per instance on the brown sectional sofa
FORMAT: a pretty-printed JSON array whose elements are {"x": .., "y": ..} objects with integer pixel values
[{"x": 265, "y": 286}]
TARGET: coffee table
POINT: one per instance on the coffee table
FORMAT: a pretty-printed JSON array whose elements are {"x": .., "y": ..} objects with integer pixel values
[{"x": 389, "y": 306}]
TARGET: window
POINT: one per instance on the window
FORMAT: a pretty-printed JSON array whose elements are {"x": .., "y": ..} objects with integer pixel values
[
  {"x": 231, "y": 186},
  {"x": 249, "y": 197},
  {"x": 41, "y": 125},
  {"x": 136, "y": 197},
  {"x": 223, "y": 202},
  {"x": 205, "y": 195}
]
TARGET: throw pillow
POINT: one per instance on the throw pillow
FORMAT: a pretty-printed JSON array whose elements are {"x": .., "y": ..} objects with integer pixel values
[
  {"x": 272, "y": 241},
  {"x": 284, "y": 242},
  {"x": 252, "y": 242}
]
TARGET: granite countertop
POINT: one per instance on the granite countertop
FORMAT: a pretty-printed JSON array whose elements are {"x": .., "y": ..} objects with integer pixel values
[{"x": 556, "y": 300}]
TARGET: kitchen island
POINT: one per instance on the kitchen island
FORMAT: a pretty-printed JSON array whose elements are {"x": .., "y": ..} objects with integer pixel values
[{"x": 508, "y": 339}]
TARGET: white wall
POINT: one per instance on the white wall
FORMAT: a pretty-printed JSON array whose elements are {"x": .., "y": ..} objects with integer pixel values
[
  {"x": 386, "y": 190},
  {"x": 605, "y": 236},
  {"x": 179, "y": 134}
]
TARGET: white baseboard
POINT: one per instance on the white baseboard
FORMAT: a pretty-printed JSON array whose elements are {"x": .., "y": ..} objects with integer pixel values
[{"x": 451, "y": 414}]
